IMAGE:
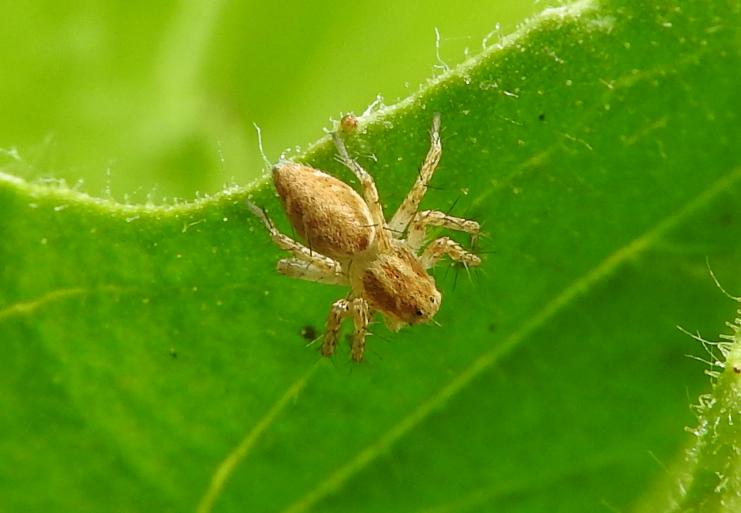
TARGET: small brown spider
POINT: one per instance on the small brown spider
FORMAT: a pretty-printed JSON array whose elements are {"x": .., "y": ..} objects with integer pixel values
[{"x": 350, "y": 243}]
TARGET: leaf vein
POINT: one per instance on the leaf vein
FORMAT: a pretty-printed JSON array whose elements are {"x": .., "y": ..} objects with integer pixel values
[
  {"x": 226, "y": 468},
  {"x": 21, "y": 308}
]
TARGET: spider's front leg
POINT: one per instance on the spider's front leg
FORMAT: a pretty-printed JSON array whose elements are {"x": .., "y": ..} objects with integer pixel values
[
  {"x": 356, "y": 308},
  {"x": 445, "y": 246},
  {"x": 409, "y": 206},
  {"x": 416, "y": 232}
]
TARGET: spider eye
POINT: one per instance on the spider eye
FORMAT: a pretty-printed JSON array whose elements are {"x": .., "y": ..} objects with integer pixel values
[
  {"x": 432, "y": 299},
  {"x": 419, "y": 312}
]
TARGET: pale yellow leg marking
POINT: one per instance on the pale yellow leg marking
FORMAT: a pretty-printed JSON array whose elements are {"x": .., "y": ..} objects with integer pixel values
[
  {"x": 226, "y": 468},
  {"x": 578, "y": 287}
]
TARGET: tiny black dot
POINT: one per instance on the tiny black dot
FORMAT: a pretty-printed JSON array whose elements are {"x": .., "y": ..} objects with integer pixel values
[
  {"x": 541, "y": 116},
  {"x": 726, "y": 218},
  {"x": 737, "y": 369},
  {"x": 308, "y": 332}
]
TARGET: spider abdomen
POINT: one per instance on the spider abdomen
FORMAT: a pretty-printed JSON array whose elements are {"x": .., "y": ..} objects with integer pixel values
[{"x": 327, "y": 213}]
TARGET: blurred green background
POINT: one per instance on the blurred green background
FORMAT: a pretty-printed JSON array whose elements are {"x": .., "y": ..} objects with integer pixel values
[{"x": 154, "y": 100}]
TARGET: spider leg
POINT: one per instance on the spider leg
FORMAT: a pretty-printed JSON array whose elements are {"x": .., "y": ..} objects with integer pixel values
[
  {"x": 317, "y": 270},
  {"x": 445, "y": 246},
  {"x": 360, "y": 316},
  {"x": 409, "y": 206},
  {"x": 298, "y": 250},
  {"x": 338, "y": 312},
  {"x": 356, "y": 308},
  {"x": 426, "y": 218},
  {"x": 370, "y": 193}
]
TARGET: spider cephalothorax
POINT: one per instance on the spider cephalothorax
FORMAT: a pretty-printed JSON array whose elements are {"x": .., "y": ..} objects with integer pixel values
[{"x": 349, "y": 242}]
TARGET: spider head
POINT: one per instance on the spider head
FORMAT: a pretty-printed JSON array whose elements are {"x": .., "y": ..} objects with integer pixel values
[{"x": 397, "y": 285}]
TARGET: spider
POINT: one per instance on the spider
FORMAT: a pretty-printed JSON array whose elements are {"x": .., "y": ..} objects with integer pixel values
[{"x": 349, "y": 242}]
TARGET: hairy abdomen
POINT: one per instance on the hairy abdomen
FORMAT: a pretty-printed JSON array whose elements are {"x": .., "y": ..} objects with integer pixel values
[{"x": 328, "y": 214}]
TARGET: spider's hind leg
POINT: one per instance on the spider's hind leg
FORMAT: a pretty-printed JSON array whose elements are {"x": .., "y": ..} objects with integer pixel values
[
  {"x": 299, "y": 251},
  {"x": 317, "y": 270}
]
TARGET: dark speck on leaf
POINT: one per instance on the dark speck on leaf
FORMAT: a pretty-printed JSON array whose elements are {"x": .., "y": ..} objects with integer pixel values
[
  {"x": 726, "y": 218},
  {"x": 308, "y": 332},
  {"x": 173, "y": 353},
  {"x": 541, "y": 116}
]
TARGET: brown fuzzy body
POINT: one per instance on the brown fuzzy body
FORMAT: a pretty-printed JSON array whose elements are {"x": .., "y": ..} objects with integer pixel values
[
  {"x": 350, "y": 242},
  {"x": 328, "y": 214},
  {"x": 335, "y": 221}
]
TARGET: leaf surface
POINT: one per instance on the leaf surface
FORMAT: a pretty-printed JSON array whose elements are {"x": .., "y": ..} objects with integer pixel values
[{"x": 154, "y": 361}]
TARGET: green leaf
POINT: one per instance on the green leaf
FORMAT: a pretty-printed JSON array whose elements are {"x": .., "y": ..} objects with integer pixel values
[{"x": 152, "y": 360}]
